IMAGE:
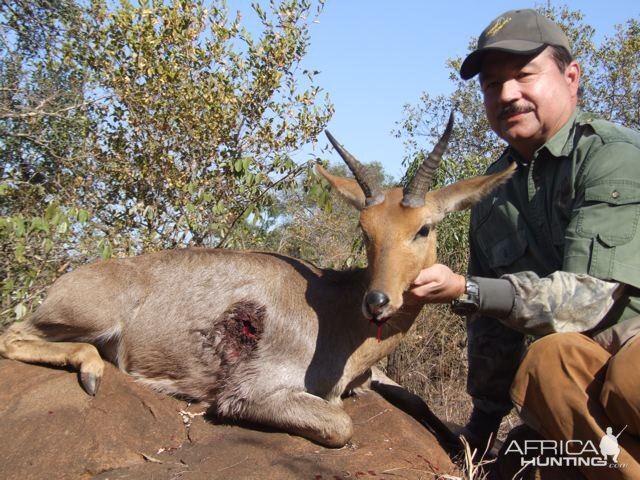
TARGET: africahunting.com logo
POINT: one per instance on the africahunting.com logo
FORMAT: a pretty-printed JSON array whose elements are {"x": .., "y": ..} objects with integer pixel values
[{"x": 568, "y": 453}]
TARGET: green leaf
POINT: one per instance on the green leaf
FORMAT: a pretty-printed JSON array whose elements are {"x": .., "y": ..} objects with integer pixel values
[
  {"x": 63, "y": 227},
  {"x": 106, "y": 251},
  {"x": 149, "y": 212},
  {"x": 38, "y": 224},
  {"x": 47, "y": 245},
  {"x": 19, "y": 252},
  {"x": 83, "y": 216},
  {"x": 20, "y": 311},
  {"x": 19, "y": 226},
  {"x": 51, "y": 211}
]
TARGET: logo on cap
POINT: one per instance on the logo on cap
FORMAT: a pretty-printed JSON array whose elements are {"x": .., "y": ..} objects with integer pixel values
[{"x": 498, "y": 25}]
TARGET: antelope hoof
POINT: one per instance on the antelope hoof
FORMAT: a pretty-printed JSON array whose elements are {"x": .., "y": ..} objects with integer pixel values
[{"x": 90, "y": 382}]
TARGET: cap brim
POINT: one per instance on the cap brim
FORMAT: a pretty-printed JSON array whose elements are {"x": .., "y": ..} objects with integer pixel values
[{"x": 473, "y": 63}]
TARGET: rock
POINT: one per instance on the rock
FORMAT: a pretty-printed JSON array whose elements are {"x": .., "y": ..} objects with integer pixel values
[{"x": 52, "y": 429}]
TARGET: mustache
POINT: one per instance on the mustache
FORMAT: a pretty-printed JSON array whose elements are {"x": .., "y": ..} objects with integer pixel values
[{"x": 515, "y": 108}]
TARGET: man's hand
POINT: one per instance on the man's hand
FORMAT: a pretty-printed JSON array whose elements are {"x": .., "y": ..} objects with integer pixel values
[{"x": 436, "y": 284}]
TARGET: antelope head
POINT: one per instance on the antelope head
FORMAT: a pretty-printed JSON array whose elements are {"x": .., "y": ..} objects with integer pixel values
[{"x": 399, "y": 225}]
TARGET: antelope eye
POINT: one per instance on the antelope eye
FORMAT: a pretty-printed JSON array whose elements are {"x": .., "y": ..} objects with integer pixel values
[{"x": 423, "y": 232}]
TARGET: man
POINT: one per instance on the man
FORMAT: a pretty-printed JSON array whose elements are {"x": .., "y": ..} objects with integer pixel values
[{"x": 555, "y": 253}]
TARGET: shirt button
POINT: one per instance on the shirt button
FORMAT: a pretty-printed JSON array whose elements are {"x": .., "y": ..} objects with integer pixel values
[{"x": 615, "y": 194}]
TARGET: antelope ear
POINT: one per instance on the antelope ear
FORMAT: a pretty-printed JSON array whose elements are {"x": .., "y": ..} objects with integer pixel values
[
  {"x": 467, "y": 192},
  {"x": 347, "y": 187}
]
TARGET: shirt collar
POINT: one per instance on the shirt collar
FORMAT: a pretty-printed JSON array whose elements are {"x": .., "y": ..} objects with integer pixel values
[{"x": 561, "y": 143}]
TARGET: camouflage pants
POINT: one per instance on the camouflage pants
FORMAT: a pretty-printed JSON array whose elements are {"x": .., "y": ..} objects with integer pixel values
[{"x": 569, "y": 388}]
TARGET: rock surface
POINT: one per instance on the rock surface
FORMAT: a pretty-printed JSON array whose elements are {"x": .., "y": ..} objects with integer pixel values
[{"x": 52, "y": 429}]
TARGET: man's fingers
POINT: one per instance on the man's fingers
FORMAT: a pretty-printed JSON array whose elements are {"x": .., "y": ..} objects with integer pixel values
[{"x": 431, "y": 274}]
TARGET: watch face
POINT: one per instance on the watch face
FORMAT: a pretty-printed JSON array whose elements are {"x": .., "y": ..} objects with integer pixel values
[{"x": 469, "y": 302}]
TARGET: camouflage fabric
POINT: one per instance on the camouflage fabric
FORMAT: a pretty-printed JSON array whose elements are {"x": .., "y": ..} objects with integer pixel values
[
  {"x": 574, "y": 208},
  {"x": 560, "y": 302}
]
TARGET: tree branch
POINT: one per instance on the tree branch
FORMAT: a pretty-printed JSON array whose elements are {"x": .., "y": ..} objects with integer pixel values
[{"x": 291, "y": 174}]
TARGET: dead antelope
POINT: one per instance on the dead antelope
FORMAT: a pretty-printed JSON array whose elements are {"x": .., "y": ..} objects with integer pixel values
[{"x": 262, "y": 337}]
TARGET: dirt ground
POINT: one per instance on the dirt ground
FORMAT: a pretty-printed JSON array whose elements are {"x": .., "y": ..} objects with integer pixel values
[{"x": 51, "y": 429}]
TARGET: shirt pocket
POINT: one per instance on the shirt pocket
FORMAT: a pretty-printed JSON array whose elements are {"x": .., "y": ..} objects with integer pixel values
[
  {"x": 611, "y": 212},
  {"x": 501, "y": 247}
]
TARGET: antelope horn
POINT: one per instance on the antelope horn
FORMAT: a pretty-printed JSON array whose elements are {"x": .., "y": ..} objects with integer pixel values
[
  {"x": 414, "y": 192},
  {"x": 372, "y": 195}
]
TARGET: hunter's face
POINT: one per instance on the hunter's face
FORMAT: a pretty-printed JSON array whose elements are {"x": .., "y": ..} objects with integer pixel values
[{"x": 527, "y": 98}]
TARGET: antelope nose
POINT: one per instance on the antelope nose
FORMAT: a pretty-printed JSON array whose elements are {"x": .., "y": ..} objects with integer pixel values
[{"x": 376, "y": 300}]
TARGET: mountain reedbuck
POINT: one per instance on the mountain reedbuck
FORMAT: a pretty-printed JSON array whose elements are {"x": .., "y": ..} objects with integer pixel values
[{"x": 262, "y": 337}]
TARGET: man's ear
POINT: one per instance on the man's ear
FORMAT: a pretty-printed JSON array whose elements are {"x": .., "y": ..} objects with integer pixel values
[
  {"x": 572, "y": 76},
  {"x": 348, "y": 188}
]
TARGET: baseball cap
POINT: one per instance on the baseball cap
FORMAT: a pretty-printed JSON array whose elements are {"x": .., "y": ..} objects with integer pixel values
[{"x": 522, "y": 32}]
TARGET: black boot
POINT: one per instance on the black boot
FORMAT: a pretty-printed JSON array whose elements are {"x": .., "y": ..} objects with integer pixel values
[{"x": 481, "y": 431}]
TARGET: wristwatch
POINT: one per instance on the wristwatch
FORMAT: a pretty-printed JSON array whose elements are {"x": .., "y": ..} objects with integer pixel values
[{"x": 469, "y": 301}]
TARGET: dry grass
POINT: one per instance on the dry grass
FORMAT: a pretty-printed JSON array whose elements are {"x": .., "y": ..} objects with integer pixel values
[
  {"x": 475, "y": 463},
  {"x": 432, "y": 363}
]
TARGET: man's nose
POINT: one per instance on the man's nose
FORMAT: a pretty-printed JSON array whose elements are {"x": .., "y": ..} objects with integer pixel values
[{"x": 510, "y": 91}]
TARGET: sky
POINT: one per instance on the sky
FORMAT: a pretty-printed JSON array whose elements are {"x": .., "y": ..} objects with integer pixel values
[{"x": 375, "y": 56}]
